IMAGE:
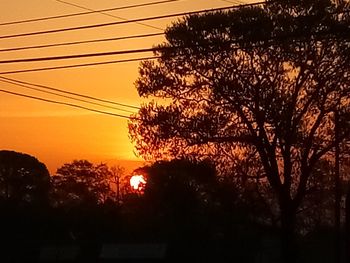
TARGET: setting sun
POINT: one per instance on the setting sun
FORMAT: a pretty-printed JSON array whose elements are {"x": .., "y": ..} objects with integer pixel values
[{"x": 137, "y": 182}]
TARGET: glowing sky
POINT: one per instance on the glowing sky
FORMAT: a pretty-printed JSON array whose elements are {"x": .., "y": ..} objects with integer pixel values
[{"x": 56, "y": 134}]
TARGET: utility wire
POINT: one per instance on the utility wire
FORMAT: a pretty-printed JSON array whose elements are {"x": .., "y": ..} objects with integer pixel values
[
  {"x": 284, "y": 37},
  {"x": 78, "y": 65},
  {"x": 82, "y": 42},
  {"x": 234, "y": 2},
  {"x": 132, "y": 51},
  {"x": 106, "y": 14},
  {"x": 103, "y": 54},
  {"x": 67, "y": 104},
  {"x": 127, "y": 22},
  {"x": 87, "y": 55},
  {"x": 69, "y": 92},
  {"x": 85, "y": 13},
  {"x": 65, "y": 96}
]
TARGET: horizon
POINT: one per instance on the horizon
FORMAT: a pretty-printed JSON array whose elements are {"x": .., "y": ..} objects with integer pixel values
[{"x": 52, "y": 164}]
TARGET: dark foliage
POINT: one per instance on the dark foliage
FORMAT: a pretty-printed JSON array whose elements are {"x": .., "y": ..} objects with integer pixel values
[
  {"x": 23, "y": 179},
  {"x": 256, "y": 86},
  {"x": 81, "y": 182}
]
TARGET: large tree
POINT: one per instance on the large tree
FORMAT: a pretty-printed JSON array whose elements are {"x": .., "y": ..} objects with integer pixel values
[
  {"x": 23, "y": 179},
  {"x": 81, "y": 182},
  {"x": 259, "y": 84}
]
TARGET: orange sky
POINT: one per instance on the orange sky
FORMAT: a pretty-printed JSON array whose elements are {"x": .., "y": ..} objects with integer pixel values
[{"x": 57, "y": 134}]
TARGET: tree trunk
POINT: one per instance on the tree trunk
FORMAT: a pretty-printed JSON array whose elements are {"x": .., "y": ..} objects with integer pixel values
[
  {"x": 347, "y": 224},
  {"x": 288, "y": 242}
]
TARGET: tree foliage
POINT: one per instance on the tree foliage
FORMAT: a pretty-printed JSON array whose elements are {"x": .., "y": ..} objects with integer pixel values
[
  {"x": 178, "y": 183},
  {"x": 81, "y": 182},
  {"x": 256, "y": 86},
  {"x": 180, "y": 197},
  {"x": 23, "y": 179}
]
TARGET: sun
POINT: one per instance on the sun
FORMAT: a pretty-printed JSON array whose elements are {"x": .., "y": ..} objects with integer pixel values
[{"x": 137, "y": 182}]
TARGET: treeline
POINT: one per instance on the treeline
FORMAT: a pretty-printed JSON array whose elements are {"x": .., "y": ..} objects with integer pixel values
[{"x": 184, "y": 204}]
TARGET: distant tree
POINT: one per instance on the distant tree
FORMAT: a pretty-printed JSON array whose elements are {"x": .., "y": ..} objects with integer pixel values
[
  {"x": 116, "y": 176},
  {"x": 260, "y": 81},
  {"x": 81, "y": 182},
  {"x": 186, "y": 200},
  {"x": 23, "y": 179},
  {"x": 175, "y": 181},
  {"x": 177, "y": 194}
]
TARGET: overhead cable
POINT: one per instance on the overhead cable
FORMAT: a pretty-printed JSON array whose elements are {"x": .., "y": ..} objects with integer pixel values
[
  {"x": 69, "y": 92},
  {"x": 77, "y": 65},
  {"x": 82, "y": 42},
  {"x": 237, "y": 2},
  {"x": 126, "y": 22},
  {"x": 65, "y": 96},
  {"x": 85, "y": 13},
  {"x": 67, "y": 104},
  {"x": 87, "y": 55},
  {"x": 146, "y": 50},
  {"x": 106, "y": 14},
  {"x": 283, "y": 37}
]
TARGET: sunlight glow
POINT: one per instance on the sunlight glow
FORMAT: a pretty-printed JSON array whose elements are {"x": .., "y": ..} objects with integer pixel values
[{"x": 137, "y": 182}]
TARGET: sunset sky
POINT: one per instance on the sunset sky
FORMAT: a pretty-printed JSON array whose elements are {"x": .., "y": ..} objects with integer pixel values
[{"x": 56, "y": 134}]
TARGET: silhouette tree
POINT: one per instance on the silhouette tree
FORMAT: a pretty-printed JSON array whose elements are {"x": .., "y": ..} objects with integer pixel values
[
  {"x": 260, "y": 81},
  {"x": 179, "y": 183},
  {"x": 177, "y": 195},
  {"x": 24, "y": 186},
  {"x": 117, "y": 172},
  {"x": 23, "y": 179},
  {"x": 186, "y": 204},
  {"x": 81, "y": 182}
]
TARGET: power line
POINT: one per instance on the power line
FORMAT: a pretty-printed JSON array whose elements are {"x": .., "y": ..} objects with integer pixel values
[
  {"x": 67, "y": 104},
  {"x": 127, "y": 22},
  {"x": 77, "y": 65},
  {"x": 82, "y": 42},
  {"x": 106, "y": 14},
  {"x": 233, "y": 2},
  {"x": 85, "y": 13},
  {"x": 64, "y": 96},
  {"x": 87, "y": 55},
  {"x": 68, "y": 92},
  {"x": 119, "y": 52},
  {"x": 103, "y": 54}
]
